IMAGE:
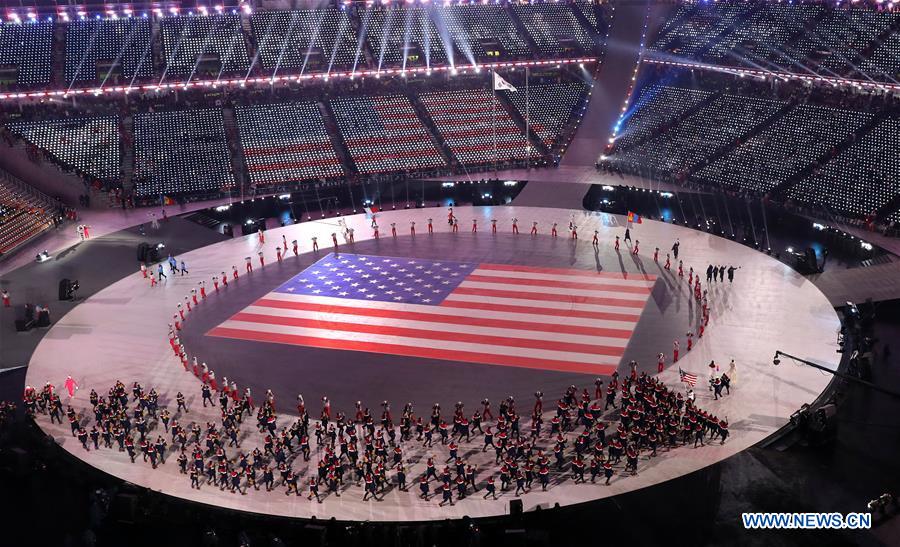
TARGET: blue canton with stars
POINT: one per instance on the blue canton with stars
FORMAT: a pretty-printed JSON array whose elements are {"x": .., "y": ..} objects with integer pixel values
[{"x": 379, "y": 279}]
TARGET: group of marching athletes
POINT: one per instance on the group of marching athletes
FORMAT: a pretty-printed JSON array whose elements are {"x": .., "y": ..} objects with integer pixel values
[{"x": 579, "y": 439}]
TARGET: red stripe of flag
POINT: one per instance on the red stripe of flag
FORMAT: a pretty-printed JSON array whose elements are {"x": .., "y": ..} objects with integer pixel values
[
  {"x": 426, "y": 334},
  {"x": 439, "y": 318},
  {"x": 413, "y": 351},
  {"x": 521, "y": 295},
  {"x": 559, "y": 284}
]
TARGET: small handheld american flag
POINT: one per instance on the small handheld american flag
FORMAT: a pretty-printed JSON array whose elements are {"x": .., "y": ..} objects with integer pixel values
[{"x": 688, "y": 378}]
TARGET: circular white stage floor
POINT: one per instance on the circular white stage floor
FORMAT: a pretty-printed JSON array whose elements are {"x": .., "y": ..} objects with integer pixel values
[{"x": 121, "y": 334}]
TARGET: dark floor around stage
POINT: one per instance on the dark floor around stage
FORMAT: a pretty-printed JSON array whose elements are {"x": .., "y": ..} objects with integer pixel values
[{"x": 702, "y": 508}]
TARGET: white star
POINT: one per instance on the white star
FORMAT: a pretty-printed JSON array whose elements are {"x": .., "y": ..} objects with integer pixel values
[
  {"x": 335, "y": 288},
  {"x": 377, "y": 268},
  {"x": 310, "y": 286},
  {"x": 373, "y": 281},
  {"x": 428, "y": 271},
  {"x": 354, "y": 284},
  {"x": 419, "y": 267},
  {"x": 428, "y": 286},
  {"x": 439, "y": 277},
  {"x": 316, "y": 272},
  {"x": 392, "y": 279},
  {"x": 363, "y": 289},
  {"x": 382, "y": 287},
  {"x": 417, "y": 294},
  {"x": 400, "y": 284},
  {"x": 359, "y": 271},
  {"x": 321, "y": 277},
  {"x": 411, "y": 262},
  {"x": 445, "y": 282},
  {"x": 402, "y": 270},
  {"x": 332, "y": 269},
  {"x": 398, "y": 298},
  {"x": 317, "y": 291},
  {"x": 365, "y": 276},
  {"x": 291, "y": 289},
  {"x": 436, "y": 291},
  {"x": 437, "y": 263},
  {"x": 301, "y": 281},
  {"x": 445, "y": 269},
  {"x": 372, "y": 295},
  {"x": 342, "y": 293},
  {"x": 389, "y": 292},
  {"x": 386, "y": 260},
  {"x": 408, "y": 289},
  {"x": 454, "y": 274},
  {"x": 344, "y": 261},
  {"x": 329, "y": 282},
  {"x": 426, "y": 300}
]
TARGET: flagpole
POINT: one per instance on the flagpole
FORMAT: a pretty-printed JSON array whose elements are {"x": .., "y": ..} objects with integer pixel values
[
  {"x": 527, "y": 122},
  {"x": 494, "y": 88}
]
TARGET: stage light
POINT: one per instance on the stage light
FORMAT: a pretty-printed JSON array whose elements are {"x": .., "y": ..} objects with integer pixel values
[
  {"x": 866, "y": 246},
  {"x": 666, "y": 194},
  {"x": 510, "y": 183},
  {"x": 284, "y": 196},
  {"x": 43, "y": 256}
]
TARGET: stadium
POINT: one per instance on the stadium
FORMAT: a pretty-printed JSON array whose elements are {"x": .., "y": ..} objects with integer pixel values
[{"x": 441, "y": 272}]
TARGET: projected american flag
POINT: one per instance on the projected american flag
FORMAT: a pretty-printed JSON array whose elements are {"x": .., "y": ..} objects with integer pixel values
[{"x": 498, "y": 314}]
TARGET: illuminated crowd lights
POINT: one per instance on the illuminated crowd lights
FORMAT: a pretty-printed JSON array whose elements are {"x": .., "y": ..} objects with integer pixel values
[
  {"x": 67, "y": 13},
  {"x": 285, "y": 79},
  {"x": 784, "y": 76},
  {"x": 631, "y": 84}
]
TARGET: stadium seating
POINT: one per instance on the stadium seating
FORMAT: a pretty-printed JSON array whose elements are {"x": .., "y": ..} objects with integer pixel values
[
  {"x": 550, "y": 107},
  {"x": 862, "y": 179},
  {"x": 180, "y": 151},
  {"x": 189, "y": 42},
  {"x": 783, "y": 149},
  {"x": 466, "y": 121},
  {"x": 884, "y": 61},
  {"x": 554, "y": 28},
  {"x": 286, "y": 142},
  {"x": 696, "y": 32},
  {"x": 762, "y": 37},
  {"x": 797, "y": 38},
  {"x": 687, "y": 143},
  {"x": 590, "y": 9},
  {"x": 384, "y": 133},
  {"x": 96, "y": 47},
  {"x": 395, "y": 33},
  {"x": 837, "y": 37},
  {"x": 24, "y": 212},
  {"x": 314, "y": 39},
  {"x": 27, "y": 49},
  {"x": 482, "y": 31},
  {"x": 656, "y": 105},
  {"x": 88, "y": 145}
]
